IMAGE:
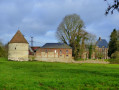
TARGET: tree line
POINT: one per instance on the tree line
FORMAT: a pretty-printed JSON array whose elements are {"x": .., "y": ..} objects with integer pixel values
[
  {"x": 3, "y": 50},
  {"x": 72, "y": 31},
  {"x": 113, "y": 51}
]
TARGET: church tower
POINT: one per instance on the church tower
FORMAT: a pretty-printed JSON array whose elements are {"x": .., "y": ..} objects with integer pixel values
[{"x": 18, "y": 48}]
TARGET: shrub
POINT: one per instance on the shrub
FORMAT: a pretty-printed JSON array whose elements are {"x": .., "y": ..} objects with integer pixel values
[
  {"x": 31, "y": 58},
  {"x": 3, "y": 52},
  {"x": 115, "y": 55},
  {"x": 115, "y": 58}
]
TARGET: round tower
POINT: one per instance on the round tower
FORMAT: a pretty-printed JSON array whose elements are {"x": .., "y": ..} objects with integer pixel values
[{"x": 18, "y": 48}]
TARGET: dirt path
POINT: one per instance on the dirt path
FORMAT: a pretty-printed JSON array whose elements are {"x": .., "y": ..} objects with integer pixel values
[{"x": 92, "y": 61}]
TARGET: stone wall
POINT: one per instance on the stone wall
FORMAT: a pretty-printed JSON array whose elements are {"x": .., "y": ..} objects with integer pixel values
[
  {"x": 18, "y": 51},
  {"x": 55, "y": 59}
]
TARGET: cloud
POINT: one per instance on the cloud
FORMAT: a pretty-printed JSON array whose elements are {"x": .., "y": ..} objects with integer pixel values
[{"x": 40, "y": 18}]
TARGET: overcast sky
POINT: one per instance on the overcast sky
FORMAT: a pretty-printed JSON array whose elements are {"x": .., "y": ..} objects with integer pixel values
[{"x": 40, "y": 18}]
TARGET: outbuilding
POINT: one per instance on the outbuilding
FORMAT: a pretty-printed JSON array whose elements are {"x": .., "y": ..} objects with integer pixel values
[{"x": 54, "y": 52}]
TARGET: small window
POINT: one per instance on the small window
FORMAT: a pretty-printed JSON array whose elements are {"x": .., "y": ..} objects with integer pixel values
[
  {"x": 60, "y": 51},
  {"x": 15, "y": 48},
  {"x": 46, "y": 51},
  {"x": 67, "y": 51},
  {"x": 55, "y": 51}
]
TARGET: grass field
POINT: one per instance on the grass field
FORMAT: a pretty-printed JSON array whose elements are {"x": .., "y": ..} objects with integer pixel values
[{"x": 57, "y": 76}]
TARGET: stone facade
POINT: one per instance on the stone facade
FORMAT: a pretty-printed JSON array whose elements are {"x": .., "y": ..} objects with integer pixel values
[
  {"x": 18, "y": 51},
  {"x": 18, "y": 48}
]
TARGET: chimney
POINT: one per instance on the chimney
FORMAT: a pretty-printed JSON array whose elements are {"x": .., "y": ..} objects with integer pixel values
[{"x": 100, "y": 38}]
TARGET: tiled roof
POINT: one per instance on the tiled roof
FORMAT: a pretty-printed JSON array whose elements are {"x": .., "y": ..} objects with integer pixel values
[
  {"x": 102, "y": 43},
  {"x": 34, "y": 48},
  {"x": 56, "y": 45},
  {"x": 18, "y": 38}
]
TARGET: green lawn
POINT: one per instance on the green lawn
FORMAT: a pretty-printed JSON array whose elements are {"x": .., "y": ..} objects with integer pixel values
[{"x": 57, "y": 76}]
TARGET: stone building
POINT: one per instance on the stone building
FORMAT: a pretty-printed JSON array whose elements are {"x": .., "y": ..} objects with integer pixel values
[
  {"x": 54, "y": 52},
  {"x": 18, "y": 48},
  {"x": 101, "y": 49}
]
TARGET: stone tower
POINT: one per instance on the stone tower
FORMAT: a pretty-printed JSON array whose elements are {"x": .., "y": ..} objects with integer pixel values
[{"x": 18, "y": 48}]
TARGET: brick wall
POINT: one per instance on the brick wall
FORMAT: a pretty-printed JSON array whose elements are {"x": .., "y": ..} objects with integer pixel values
[{"x": 53, "y": 54}]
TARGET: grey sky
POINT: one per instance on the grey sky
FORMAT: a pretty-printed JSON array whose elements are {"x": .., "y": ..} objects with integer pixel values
[{"x": 40, "y": 18}]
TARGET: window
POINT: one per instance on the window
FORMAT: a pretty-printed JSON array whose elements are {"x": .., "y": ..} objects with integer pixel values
[
  {"x": 55, "y": 51},
  {"x": 46, "y": 51},
  {"x": 60, "y": 51},
  {"x": 103, "y": 49},
  {"x": 66, "y": 51},
  {"x": 15, "y": 48}
]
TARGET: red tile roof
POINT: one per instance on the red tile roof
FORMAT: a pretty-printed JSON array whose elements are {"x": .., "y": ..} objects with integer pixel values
[
  {"x": 18, "y": 38},
  {"x": 35, "y": 48}
]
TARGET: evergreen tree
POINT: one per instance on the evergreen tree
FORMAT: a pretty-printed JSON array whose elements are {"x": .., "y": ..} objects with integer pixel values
[
  {"x": 118, "y": 40},
  {"x": 90, "y": 51},
  {"x": 113, "y": 46}
]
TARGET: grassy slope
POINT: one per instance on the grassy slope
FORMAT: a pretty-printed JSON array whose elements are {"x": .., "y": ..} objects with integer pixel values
[{"x": 61, "y": 76}]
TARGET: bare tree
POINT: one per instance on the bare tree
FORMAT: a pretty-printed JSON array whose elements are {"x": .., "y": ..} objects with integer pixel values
[
  {"x": 114, "y": 6},
  {"x": 70, "y": 31},
  {"x": 91, "y": 39}
]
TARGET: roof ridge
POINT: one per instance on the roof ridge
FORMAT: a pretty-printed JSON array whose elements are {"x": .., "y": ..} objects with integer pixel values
[{"x": 55, "y": 45}]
